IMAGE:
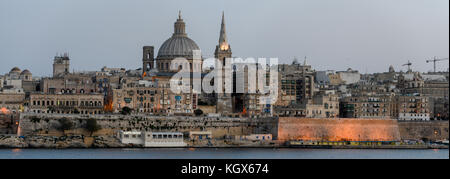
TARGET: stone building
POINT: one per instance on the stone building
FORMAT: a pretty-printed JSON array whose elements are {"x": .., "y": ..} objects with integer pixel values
[
  {"x": 335, "y": 79},
  {"x": 368, "y": 106},
  {"x": 61, "y": 65},
  {"x": 26, "y": 75},
  {"x": 69, "y": 84},
  {"x": 427, "y": 85},
  {"x": 440, "y": 108},
  {"x": 296, "y": 84},
  {"x": 349, "y": 77},
  {"x": 296, "y": 87},
  {"x": 387, "y": 105},
  {"x": 13, "y": 102},
  {"x": 66, "y": 103},
  {"x": 324, "y": 104},
  {"x": 153, "y": 97},
  {"x": 409, "y": 107},
  {"x": 12, "y": 81},
  {"x": 298, "y": 95},
  {"x": 14, "y": 74},
  {"x": 433, "y": 86}
]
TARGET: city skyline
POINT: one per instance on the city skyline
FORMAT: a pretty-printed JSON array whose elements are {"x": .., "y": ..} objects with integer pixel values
[{"x": 94, "y": 37}]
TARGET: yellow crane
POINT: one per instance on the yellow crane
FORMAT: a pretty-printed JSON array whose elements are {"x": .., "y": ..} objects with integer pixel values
[{"x": 436, "y": 60}]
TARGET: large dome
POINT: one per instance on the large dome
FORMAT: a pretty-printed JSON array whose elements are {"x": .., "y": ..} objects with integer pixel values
[{"x": 177, "y": 46}]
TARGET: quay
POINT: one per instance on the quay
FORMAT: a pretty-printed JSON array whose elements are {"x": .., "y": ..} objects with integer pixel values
[{"x": 362, "y": 145}]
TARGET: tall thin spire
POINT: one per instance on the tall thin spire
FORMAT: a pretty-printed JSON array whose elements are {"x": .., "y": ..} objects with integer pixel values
[{"x": 223, "y": 35}]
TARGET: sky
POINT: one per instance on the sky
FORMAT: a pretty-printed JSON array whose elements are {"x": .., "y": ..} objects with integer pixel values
[{"x": 365, "y": 35}]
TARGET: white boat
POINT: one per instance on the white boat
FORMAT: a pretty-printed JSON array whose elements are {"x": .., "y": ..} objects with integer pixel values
[
  {"x": 164, "y": 139},
  {"x": 152, "y": 139}
]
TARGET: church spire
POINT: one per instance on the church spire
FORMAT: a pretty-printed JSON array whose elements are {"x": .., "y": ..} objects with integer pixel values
[{"x": 223, "y": 35}]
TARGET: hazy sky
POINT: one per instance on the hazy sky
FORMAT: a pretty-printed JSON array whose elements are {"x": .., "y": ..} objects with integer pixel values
[{"x": 367, "y": 35}]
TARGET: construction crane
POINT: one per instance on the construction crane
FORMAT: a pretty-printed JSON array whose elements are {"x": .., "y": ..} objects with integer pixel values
[
  {"x": 408, "y": 64},
  {"x": 436, "y": 60}
]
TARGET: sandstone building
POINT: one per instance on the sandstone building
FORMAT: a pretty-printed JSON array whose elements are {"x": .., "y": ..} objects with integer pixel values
[{"x": 66, "y": 103}]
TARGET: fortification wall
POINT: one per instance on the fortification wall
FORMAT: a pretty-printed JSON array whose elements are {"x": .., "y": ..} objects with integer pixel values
[
  {"x": 284, "y": 128},
  {"x": 430, "y": 130},
  {"x": 338, "y": 129},
  {"x": 47, "y": 124}
]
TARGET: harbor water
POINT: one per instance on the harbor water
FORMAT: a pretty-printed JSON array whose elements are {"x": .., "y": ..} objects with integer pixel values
[{"x": 223, "y": 153}]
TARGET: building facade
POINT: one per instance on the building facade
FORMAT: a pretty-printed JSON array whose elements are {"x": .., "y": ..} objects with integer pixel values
[{"x": 66, "y": 103}]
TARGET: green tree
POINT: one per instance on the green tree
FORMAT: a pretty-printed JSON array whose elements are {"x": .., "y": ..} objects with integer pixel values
[
  {"x": 92, "y": 126},
  {"x": 198, "y": 112},
  {"x": 65, "y": 124},
  {"x": 126, "y": 110}
]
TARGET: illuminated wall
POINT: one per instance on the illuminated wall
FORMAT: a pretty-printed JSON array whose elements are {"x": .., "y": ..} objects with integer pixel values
[{"x": 338, "y": 129}]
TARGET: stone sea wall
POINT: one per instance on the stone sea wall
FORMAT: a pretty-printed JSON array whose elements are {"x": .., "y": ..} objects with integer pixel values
[
  {"x": 47, "y": 124},
  {"x": 430, "y": 130},
  {"x": 284, "y": 128},
  {"x": 7, "y": 141},
  {"x": 338, "y": 129}
]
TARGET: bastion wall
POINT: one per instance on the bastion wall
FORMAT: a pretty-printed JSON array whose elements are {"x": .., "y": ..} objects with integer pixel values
[
  {"x": 429, "y": 130},
  {"x": 283, "y": 128},
  {"x": 47, "y": 124},
  {"x": 338, "y": 129}
]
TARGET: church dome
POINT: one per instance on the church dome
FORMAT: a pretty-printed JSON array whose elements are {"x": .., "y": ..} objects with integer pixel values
[
  {"x": 16, "y": 69},
  {"x": 25, "y": 72},
  {"x": 179, "y": 45}
]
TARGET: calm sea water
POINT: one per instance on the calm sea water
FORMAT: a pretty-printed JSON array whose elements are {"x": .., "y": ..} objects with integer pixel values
[{"x": 220, "y": 153}]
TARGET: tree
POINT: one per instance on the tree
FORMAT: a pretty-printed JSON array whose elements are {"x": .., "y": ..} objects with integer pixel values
[
  {"x": 126, "y": 110},
  {"x": 92, "y": 126},
  {"x": 65, "y": 124},
  {"x": 198, "y": 112}
]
